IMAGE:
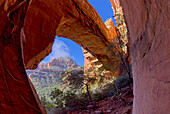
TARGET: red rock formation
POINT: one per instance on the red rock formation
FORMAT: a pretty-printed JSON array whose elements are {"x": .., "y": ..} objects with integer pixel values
[
  {"x": 77, "y": 20},
  {"x": 63, "y": 62},
  {"x": 96, "y": 62},
  {"x": 17, "y": 94},
  {"x": 81, "y": 24},
  {"x": 112, "y": 29},
  {"x": 85, "y": 27},
  {"x": 25, "y": 48},
  {"x": 148, "y": 24}
]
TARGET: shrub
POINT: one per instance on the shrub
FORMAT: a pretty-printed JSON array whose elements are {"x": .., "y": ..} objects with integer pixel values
[{"x": 121, "y": 82}]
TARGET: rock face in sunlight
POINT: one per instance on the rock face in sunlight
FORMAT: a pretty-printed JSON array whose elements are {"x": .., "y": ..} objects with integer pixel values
[
  {"x": 75, "y": 19},
  {"x": 94, "y": 62},
  {"x": 148, "y": 25},
  {"x": 81, "y": 24},
  {"x": 63, "y": 62}
]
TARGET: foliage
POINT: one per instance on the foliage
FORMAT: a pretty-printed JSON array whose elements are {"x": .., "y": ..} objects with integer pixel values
[
  {"x": 73, "y": 94},
  {"x": 121, "y": 26},
  {"x": 72, "y": 90},
  {"x": 121, "y": 62},
  {"x": 77, "y": 91},
  {"x": 55, "y": 93},
  {"x": 121, "y": 81},
  {"x": 48, "y": 105},
  {"x": 72, "y": 80}
]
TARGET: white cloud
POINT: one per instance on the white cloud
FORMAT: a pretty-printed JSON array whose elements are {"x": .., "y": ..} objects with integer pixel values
[{"x": 59, "y": 49}]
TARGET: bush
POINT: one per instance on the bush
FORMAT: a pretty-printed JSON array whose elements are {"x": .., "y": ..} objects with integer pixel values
[
  {"x": 83, "y": 98},
  {"x": 108, "y": 89},
  {"x": 121, "y": 82},
  {"x": 97, "y": 96},
  {"x": 74, "y": 95},
  {"x": 103, "y": 92}
]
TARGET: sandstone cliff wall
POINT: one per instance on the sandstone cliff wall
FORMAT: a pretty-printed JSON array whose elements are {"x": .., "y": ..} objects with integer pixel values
[
  {"x": 148, "y": 25},
  {"x": 17, "y": 94}
]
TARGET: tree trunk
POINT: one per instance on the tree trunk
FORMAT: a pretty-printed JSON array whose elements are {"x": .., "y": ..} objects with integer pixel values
[{"x": 89, "y": 95}]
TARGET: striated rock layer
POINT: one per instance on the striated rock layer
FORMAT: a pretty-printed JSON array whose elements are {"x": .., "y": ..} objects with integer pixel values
[{"x": 148, "y": 25}]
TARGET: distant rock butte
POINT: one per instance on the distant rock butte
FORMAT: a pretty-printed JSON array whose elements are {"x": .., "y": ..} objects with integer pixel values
[
  {"x": 63, "y": 62},
  {"x": 51, "y": 72},
  {"x": 57, "y": 65}
]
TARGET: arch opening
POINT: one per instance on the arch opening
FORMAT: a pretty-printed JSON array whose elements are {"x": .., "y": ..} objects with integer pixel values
[{"x": 66, "y": 56}]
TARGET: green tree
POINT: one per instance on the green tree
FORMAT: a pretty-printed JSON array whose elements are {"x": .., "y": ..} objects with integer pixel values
[
  {"x": 48, "y": 106},
  {"x": 76, "y": 82}
]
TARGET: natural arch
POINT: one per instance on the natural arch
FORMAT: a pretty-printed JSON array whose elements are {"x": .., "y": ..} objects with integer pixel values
[{"x": 77, "y": 20}]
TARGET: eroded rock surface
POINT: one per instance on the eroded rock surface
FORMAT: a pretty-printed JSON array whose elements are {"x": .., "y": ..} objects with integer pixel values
[
  {"x": 101, "y": 64},
  {"x": 81, "y": 24},
  {"x": 148, "y": 24},
  {"x": 27, "y": 33},
  {"x": 76, "y": 20},
  {"x": 17, "y": 94}
]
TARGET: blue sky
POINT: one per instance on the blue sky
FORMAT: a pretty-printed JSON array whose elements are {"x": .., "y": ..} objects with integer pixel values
[
  {"x": 63, "y": 47},
  {"x": 104, "y": 9}
]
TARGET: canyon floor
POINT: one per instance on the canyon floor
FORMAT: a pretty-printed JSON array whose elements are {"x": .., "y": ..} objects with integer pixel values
[{"x": 110, "y": 105}]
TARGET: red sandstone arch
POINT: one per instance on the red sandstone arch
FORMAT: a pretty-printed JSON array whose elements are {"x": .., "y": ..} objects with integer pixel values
[
  {"x": 19, "y": 51},
  {"x": 76, "y": 20},
  {"x": 27, "y": 34}
]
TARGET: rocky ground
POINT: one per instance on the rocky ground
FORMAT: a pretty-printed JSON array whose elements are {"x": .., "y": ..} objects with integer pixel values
[{"x": 110, "y": 105}]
